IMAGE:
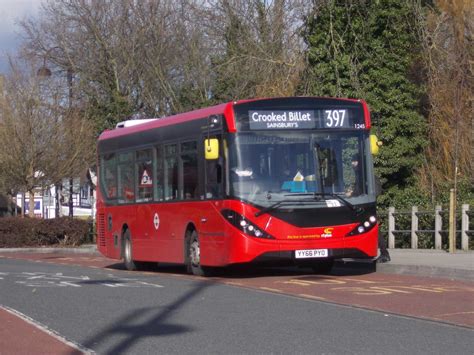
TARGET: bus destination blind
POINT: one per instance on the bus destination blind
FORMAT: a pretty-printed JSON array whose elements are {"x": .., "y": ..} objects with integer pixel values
[
  {"x": 304, "y": 119},
  {"x": 281, "y": 119}
]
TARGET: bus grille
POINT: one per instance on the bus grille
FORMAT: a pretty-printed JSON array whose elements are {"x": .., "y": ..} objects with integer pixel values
[{"x": 101, "y": 229}]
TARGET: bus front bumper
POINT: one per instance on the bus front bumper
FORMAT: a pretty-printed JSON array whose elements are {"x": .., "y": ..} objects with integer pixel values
[{"x": 244, "y": 249}]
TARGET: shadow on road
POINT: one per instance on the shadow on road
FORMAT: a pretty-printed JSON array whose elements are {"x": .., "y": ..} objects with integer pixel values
[
  {"x": 341, "y": 268},
  {"x": 131, "y": 329}
]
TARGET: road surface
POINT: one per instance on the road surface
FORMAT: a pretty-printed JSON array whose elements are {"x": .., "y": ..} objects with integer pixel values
[{"x": 96, "y": 306}]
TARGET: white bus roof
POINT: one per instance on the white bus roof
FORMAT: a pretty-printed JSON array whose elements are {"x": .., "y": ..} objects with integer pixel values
[{"x": 130, "y": 123}]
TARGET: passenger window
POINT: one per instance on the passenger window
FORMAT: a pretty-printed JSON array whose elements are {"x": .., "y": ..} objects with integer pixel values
[
  {"x": 190, "y": 169},
  {"x": 109, "y": 176},
  {"x": 171, "y": 172},
  {"x": 159, "y": 174},
  {"x": 126, "y": 181},
  {"x": 144, "y": 163}
]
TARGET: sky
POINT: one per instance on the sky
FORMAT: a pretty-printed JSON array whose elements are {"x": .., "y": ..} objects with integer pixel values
[{"x": 11, "y": 11}]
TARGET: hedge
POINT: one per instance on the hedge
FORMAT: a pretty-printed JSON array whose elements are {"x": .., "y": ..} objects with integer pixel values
[{"x": 17, "y": 232}]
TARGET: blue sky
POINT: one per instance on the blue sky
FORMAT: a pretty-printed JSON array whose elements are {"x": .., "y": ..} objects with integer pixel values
[{"x": 11, "y": 11}]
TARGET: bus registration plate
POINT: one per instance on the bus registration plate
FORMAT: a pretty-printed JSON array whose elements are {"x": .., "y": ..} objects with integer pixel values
[{"x": 311, "y": 253}]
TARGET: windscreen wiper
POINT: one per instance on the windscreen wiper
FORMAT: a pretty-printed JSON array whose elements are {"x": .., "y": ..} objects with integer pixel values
[
  {"x": 357, "y": 210},
  {"x": 336, "y": 196},
  {"x": 330, "y": 194},
  {"x": 275, "y": 205}
]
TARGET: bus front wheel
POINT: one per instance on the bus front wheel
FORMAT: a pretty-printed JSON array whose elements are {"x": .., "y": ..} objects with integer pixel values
[{"x": 193, "y": 255}]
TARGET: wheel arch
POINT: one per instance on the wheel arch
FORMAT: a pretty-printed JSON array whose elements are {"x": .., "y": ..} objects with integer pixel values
[{"x": 190, "y": 227}]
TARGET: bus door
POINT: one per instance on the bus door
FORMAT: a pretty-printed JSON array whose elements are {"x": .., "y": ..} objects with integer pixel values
[{"x": 211, "y": 229}]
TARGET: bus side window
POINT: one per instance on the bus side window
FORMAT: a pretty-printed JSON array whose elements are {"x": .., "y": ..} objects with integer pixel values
[
  {"x": 126, "y": 181},
  {"x": 214, "y": 174},
  {"x": 159, "y": 174},
  {"x": 171, "y": 172},
  {"x": 189, "y": 169},
  {"x": 213, "y": 178},
  {"x": 144, "y": 175},
  {"x": 109, "y": 176}
]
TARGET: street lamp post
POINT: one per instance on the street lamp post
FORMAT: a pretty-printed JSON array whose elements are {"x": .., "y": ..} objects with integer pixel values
[
  {"x": 71, "y": 180},
  {"x": 45, "y": 72}
]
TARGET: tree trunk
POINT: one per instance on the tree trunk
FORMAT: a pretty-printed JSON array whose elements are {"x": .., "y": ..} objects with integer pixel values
[
  {"x": 23, "y": 204},
  {"x": 9, "y": 205},
  {"x": 71, "y": 191},
  {"x": 31, "y": 203},
  {"x": 59, "y": 202}
]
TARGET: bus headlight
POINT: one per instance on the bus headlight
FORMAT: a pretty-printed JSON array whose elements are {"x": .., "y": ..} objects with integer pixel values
[
  {"x": 244, "y": 225},
  {"x": 363, "y": 227}
]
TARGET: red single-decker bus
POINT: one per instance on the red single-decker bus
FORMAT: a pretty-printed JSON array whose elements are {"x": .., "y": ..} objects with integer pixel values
[{"x": 283, "y": 179}]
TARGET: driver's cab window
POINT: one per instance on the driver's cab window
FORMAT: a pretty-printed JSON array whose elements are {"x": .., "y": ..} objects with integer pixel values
[
  {"x": 214, "y": 179},
  {"x": 353, "y": 168},
  {"x": 327, "y": 153}
]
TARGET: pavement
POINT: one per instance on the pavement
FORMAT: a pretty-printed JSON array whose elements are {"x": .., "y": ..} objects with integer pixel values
[
  {"x": 430, "y": 263},
  {"x": 419, "y": 262}
]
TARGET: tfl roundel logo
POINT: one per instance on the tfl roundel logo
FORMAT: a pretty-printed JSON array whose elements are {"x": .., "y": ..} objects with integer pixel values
[{"x": 156, "y": 221}]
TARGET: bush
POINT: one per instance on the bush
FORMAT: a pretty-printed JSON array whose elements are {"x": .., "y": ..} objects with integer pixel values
[{"x": 32, "y": 232}]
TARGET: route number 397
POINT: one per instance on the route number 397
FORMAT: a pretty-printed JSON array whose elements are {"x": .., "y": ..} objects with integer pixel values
[{"x": 335, "y": 118}]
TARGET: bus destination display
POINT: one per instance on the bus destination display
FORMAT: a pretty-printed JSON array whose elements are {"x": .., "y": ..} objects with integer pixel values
[
  {"x": 281, "y": 119},
  {"x": 305, "y": 119}
]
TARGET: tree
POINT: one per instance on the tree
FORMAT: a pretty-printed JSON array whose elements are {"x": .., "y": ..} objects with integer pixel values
[
  {"x": 163, "y": 57},
  {"x": 42, "y": 141},
  {"x": 260, "y": 49},
  {"x": 447, "y": 31},
  {"x": 370, "y": 50},
  {"x": 127, "y": 56}
]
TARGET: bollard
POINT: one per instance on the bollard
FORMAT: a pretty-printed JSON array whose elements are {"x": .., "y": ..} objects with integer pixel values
[
  {"x": 391, "y": 227},
  {"x": 414, "y": 227},
  {"x": 438, "y": 227},
  {"x": 452, "y": 221},
  {"x": 464, "y": 227}
]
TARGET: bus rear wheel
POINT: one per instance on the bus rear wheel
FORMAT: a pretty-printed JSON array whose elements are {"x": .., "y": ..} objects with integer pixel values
[
  {"x": 193, "y": 255},
  {"x": 128, "y": 261}
]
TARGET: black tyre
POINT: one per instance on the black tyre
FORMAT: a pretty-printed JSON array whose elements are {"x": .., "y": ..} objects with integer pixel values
[
  {"x": 127, "y": 254},
  {"x": 323, "y": 267},
  {"x": 193, "y": 255}
]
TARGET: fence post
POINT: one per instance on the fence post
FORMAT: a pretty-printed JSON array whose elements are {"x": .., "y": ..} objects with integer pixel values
[
  {"x": 414, "y": 227},
  {"x": 464, "y": 227},
  {"x": 391, "y": 227},
  {"x": 452, "y": 221},
  {"x": 438, "y": 227}
]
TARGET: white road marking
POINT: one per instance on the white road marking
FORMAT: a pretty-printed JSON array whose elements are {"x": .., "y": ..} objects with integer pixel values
[
  {"x": 47, "y": 330},
  {"x": 42, "y": 279}
]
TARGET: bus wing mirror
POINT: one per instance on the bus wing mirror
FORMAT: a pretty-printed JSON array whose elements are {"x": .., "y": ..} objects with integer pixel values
[
  {"x": 211, "y": 148},
  {"x": 375, "y": 144}
]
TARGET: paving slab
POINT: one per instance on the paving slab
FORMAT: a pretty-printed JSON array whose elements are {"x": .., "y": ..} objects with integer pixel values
[{"x": 430, "y": 263}]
